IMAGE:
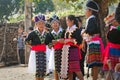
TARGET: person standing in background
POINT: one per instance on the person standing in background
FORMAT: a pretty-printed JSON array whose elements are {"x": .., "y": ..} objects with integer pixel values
[
  {"x": 21, "y": 46},
  {"x": 112, "y": 51},
  {"x": 30, "y": 29}
]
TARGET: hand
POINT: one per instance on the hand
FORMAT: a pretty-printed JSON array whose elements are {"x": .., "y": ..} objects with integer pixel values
[
  {"x": 50, "y": 46},
  {"x": 14, "y": 39},
  {"x": 109, "y": 64},
  {"x": 29, "y": 46},
  {"x": 61, "y": 40},
  {"x": 117, "y": 67},
  {"x": 54, "y": 42},
  {"x": 69, "y": 40}
]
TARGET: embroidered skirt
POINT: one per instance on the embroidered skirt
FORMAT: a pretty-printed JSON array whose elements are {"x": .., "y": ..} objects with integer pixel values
[
  {"x": 94, "y": 57},
  {"x": 40, "y": 64},
  {"x": 37, "y": 63},
  {"x": 74, "y": 65},
  {"x": 58, "y": 56},
  {"x": 113, "y": 56}
]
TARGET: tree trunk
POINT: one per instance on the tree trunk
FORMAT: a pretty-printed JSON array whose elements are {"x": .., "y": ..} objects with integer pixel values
[
  {"x": 102, "y": 14},
  {"x": 28, "y": 23}
]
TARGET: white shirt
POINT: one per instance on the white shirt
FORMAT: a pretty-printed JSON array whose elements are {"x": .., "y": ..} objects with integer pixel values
[
  {"x": 60, "y": 30},
  {"x": 70, "y": 29}
]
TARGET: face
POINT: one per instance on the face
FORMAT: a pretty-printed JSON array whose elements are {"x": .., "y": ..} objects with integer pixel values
[
  {"x": 69, "y": 22},
  {"x": 55, "y": 25},
  {"x": 88, "y": 12},
  {"x": 40, "y": 25},
  {"x": 20, "y": 30},
  {"x": 115, "y": 23}
]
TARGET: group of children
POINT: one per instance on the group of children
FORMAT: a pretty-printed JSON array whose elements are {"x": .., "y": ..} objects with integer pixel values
[{"x": 70, "y": 45}]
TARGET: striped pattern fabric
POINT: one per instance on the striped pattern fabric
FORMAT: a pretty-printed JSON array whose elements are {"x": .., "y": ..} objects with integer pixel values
[
  {"x": 94, "y": 54},
  {"x": 114, "y": 56},
  {"x": 74, "y": 65}
]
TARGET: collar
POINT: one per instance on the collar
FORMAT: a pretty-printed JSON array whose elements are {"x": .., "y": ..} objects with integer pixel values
[
  {"x": 40, "y": 32},
  {"x": 60, "y": 30},
  {"x": 71, "y": 28},
  {"x": 92, "y": 16}
]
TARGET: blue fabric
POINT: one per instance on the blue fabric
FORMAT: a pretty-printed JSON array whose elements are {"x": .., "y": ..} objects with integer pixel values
[
  {"x": 94, "y": 64},
  {"x": 114, "y": 52},
  {"x": 20, "y": 41}
]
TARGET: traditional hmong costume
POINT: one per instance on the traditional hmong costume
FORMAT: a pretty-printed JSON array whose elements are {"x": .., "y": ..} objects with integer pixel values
[
  {"x": 95, "y": 45},
  {"x": 71, "y": 54},
  {"x": 58, "y": 49},
  {"x": 58, "y": 46},
  {"x": 37, "y": 59},
  {"x": 112, "y": 51}
]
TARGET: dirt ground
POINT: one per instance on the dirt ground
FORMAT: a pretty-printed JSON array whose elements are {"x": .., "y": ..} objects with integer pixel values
[{"x": 20, "y": 73}]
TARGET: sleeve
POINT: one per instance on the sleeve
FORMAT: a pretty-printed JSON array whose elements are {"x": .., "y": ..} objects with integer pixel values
[
  {"x": 49, "y": 38},
  {"x": 63, "y": 34},
  {"x": 78, "y": 37},
  {"x": 29, "y": 38},
  {"x": 114, "y": 36},
  {"x": 92, "y": 27}
]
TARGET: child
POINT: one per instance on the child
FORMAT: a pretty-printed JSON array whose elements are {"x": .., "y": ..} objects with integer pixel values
[
  {"x": 71, "y": 54},
  {"x": 92, "y": 36},
  {"x": 55, "y": 35},
  {"x": 37, "y": 40},
  {"x": 112, "y": 52}
]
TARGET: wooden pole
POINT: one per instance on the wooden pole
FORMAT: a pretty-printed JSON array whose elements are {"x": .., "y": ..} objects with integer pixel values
[
  {"x": 28, "y": 23},
  {"x": 4, "y": 46}
]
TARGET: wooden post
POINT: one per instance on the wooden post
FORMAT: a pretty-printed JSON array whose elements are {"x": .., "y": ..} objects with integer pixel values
[{"x": 28, "y": 23}]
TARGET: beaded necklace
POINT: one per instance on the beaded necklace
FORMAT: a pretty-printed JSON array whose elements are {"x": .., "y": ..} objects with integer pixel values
[
  {"x": 57, "y": 36},
  {"x": 41, "y": 37}
]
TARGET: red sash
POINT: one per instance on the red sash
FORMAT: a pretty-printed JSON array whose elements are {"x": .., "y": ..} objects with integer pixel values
[
  {"x": 106, "y": 52},
  {"x": 114, "y": 45},
  {"x": 58, "y": 45},
  {"x": 39, "y": 47}
]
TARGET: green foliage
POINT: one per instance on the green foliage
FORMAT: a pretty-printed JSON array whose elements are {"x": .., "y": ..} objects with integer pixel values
[
  {"x": 79, "y": 4},
  {"x": 67, "y": 12},
  {"x": 43, "y": 6},
  {"x": 8, "y": 8},
  {"x": 16, "y": 18},
  {"x": 60, "y": 7},
  {"x": 111, "y": 2}
]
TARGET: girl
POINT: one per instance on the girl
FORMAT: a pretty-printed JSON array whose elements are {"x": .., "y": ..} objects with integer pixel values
[
  {"x": 37, "y": 40},
  {"x": 94, "y": 42},
  {"x": 112, "y": 52},
  {"x": 71, "y": 51},
  {"x": 54, "y": 38}
]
